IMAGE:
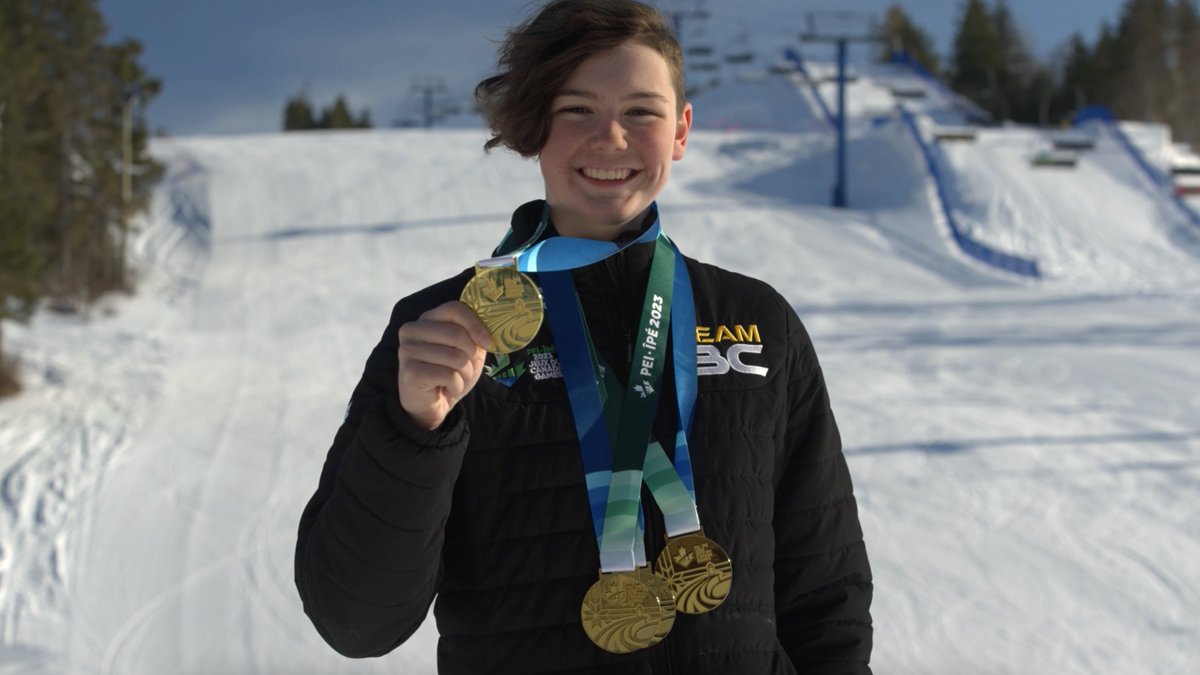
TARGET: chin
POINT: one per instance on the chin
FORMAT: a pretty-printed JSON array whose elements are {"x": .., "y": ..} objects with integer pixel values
[{"x": 619, "y": 216}]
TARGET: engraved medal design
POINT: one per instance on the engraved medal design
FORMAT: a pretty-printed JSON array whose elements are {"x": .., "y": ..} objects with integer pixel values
[
  {"x": 698, "y": 570},
  {"x": 623, "y": 612},
  {"x": 665, "y": 593},
  {"x": 508, "y": 302}
]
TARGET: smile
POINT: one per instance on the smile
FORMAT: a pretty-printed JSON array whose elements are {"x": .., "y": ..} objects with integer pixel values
[{"x": 608, "y": 174}]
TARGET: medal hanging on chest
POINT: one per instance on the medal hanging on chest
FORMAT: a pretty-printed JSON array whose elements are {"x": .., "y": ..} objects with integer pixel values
[
  {"x": 698, "y": 571},
  {"x": 627, "y": 611}
]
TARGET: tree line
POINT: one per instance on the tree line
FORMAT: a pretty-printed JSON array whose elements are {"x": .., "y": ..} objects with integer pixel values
[
  {"x": 73, "y": 163},
  {"x": 298, "y": 115},
  {"x": 1145, "y": 67}
]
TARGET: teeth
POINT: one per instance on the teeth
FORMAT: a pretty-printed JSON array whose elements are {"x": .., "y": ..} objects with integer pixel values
[{"x": 607, "y": 174}]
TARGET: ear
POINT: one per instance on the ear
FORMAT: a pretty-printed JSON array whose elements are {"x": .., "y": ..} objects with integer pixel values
[{"x": 682, "y": 126}]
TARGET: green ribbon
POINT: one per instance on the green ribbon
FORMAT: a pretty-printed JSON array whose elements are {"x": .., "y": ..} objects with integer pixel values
[{"x": 636, "y": 457}]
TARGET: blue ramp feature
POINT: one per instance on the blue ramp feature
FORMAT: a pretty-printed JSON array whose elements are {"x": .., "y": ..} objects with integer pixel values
[
  {"x": 978, "y": 250},
  {"x": 794, "y": 56},
  {"x": 1098, "y": 114}
]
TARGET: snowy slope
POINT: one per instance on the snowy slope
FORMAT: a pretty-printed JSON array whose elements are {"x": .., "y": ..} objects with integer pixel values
[
  {"x": 756, "y": 101},
  {"x": 1026, "y": 455},
  {"x": 1096, "y": 223}
]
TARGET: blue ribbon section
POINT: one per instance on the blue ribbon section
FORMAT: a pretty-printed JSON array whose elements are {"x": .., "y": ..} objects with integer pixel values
[
  {"x": 587, "y": 408},
  {"x": 683, "y": 339},
  {"x": 557, "y": 254},
  {"x": 553, "y": 259},
  {"x": 566, "y": 323}
]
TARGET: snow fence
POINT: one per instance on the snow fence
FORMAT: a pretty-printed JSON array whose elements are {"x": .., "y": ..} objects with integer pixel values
[
  {"x": 794, "y": 56},
  {"x": 975, "y": 249},
  {"x": 1101, "y": 115}
]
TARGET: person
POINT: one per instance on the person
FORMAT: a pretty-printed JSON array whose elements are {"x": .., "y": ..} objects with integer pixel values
[{"x": 464, "y": 477}]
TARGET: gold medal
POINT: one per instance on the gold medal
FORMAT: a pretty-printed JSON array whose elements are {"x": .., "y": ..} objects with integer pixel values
[
  {"x": 508, "y": 303},
  {"x": 698, "y": 570},
  {"x": 623, "y": 612},
  {"x": 665, "y": 593}
]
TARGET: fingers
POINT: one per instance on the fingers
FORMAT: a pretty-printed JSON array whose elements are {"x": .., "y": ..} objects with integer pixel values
[
  {"x": 441, "y": 357},
  {"x": 438, "y": 354},
  {"x": 437, "y": 382},
  {"x": 455, "y": 314}
]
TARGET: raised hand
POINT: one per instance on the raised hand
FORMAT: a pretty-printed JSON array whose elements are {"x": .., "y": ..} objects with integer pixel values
[{"x": 441, "y": 357}]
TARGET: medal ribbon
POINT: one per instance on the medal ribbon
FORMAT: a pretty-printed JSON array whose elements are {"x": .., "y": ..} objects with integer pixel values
[
  {"x": 559, "y": 254},
  {"x": 638, "y": 409},
  {"x": 672, "y": 486},
  {"x": 614, "y": 495},
  {"x": 593, "y": 389}
]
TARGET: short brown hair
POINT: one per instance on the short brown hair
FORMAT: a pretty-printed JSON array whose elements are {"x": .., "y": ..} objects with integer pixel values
[{"x": 538, "y": 57}]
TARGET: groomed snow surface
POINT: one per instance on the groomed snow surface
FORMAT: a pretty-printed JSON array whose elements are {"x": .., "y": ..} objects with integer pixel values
[{"x": 1026, "y": 453}]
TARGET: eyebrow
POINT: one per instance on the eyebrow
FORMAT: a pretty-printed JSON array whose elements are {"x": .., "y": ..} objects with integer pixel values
[{"x": 637, "y": 95}]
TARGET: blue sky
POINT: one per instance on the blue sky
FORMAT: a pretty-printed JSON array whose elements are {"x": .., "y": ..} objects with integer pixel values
[{"x": 229, "y": 65}]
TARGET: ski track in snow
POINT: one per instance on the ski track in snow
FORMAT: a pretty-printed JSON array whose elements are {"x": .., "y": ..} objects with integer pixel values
[{"x": 1026, "y": 455}]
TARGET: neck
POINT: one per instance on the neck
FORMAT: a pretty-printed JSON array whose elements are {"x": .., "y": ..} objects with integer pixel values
[{"x": 570, "y": 225}]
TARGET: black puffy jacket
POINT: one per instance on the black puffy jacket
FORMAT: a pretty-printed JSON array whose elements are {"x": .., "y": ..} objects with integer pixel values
[{"x": 489, "y": 513}]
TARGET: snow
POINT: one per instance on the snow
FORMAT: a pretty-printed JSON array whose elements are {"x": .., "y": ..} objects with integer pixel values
[{"x": 1026, "y": 454}]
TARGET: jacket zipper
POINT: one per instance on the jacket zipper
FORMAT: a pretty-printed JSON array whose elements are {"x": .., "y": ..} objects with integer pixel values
[{"x": 619, "y": 308}]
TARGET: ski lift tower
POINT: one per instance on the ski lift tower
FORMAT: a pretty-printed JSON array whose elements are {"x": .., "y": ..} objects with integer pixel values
[
  {"x": 428, "y": 88},
  {"x": 840, "y": 27}
]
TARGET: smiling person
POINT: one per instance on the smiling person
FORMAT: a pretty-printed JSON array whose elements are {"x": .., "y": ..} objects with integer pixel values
[{"x": 590, "y": 452}]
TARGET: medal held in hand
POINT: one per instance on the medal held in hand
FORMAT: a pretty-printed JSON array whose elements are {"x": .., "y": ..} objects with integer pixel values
[
  {"x": 625, "y": 611},
  {"x": 698, "y": 570},
  {"x": 508, "y": 302}
]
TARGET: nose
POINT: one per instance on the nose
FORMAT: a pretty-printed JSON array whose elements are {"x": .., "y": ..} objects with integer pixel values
[{"x": 609, "y": 134}]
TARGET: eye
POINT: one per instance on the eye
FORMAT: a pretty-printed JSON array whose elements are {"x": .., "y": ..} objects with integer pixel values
[
  {"x": 643, "y": 111},
  {"x": 573, "y": 110}
]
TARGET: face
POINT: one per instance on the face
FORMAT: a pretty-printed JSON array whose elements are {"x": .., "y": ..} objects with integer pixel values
[{"x": 614, "y": 132}]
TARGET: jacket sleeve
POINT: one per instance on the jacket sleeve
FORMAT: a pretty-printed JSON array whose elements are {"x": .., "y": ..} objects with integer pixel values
[
  {"x": 822, "y": 577},
  {"x": 370, "y": 539}
]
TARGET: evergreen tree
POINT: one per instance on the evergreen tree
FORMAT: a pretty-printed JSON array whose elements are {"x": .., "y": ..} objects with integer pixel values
[
  {"x": 976, "y": 57},
  {"x": 1187, "y": 63},
  {"x": 67, "y": 103},
  {"x": 1108, "y": 62},
  {"x": 24, "y": 199},
  {"x": 1145, "y": 76},
  {"x": 900, "y": 34},
  {"x": 1022, "y": 84},
  {"x": 129, "y": 89},
  {"x": 1076, "y": 73},
  {"x": 298, "y": 114},
  {"x": 1079, "y": 82},
  {"x": 338, "y": 116}
]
